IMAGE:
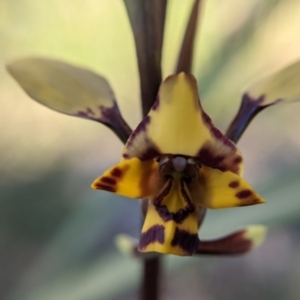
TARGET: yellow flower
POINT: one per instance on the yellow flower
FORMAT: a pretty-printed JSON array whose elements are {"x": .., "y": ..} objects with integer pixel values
[{"x": 183, "y": 164}]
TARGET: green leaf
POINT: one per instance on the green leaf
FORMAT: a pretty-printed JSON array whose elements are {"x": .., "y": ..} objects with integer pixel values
[
  {"x": 280, "y": 87},
  {"x": 147, "y": 19},
  {"x": 71, "y": 90}
]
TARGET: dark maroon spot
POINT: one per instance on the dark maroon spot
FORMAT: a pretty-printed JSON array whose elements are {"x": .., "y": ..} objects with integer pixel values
[
  {"x": 125, "y": 155},
  {"x": 243, "y": 194},
  {"x": 88, "y": 113},
  {"x": 207, "y": 158},
  {"x": 186, "y": 241},
  {"x": 109, "y": 114},
  {"x": 150, "y": 153},
  {"x": 156, "y": 104},
  {"x": 101, "y": 186},
  {"x": 154, "y": 234},
  {"x": 234, "y": 184},
  {"x": 116, "y": 172},
  {"x": 237, "y": 160},
  {"x": 108, "y": 180}
]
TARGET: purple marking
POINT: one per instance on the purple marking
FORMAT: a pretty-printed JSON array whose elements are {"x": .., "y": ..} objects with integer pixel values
[
  {"x": 207, "y": 158},
  {"x": 108, "y": 180},
  {"x": 186, "y": 241},
  {"x": 116, "y": 172},
  {"x": 158, "y": 199},
  {"x": 149, "y": 154},
  {"x": 177, "y": 217},
  {"x": 101, "y": 186},
  {"x": 234, "y": 184},
  {"x": 141, "y": 127},
  {"x": 237, "y": 160},
  {"x": 258, "y": 101},
  {"x": 88, "y": 113},
  {"x": 163, "y": 211},
  {"x": 154, "y": 234},
  {"x": 216, "y": 132},
  {"x": 243, "y": 194},
  {"x": 109, "y": 114}
]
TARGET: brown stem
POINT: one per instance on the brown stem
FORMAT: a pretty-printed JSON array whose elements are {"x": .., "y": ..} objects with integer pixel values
[
  {"x": 150, "y": 289},
  {"x": 185, "y": 58},
  {"x": 151, "y": 278}
]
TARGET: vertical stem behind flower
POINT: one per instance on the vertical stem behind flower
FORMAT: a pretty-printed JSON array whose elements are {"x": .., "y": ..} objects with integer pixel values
[
  {"x": 151, "y": 278},
  {"x": 185, "y": 58},
  {"x": 147, "y": 18}
]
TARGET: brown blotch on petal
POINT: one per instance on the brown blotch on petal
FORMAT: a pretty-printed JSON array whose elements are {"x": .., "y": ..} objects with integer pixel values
[
  {"x": 150, "y": 153},
  {"x": 104, "y": 187},
  {"x": 238, "y": 160},
  {"x": 243, "y": 194},
  {"x": 234, "y": 184},
  {"x": 208, "y": 158},
  {"x": 108, "y": 180},
  {"x": 186, "y": 241},
  {"x": 154, "y": 234},
  {"x": 116, "y": 172}
]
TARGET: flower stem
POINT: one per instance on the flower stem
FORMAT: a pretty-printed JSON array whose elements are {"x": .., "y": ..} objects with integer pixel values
[{"x": 151, "y": 278}]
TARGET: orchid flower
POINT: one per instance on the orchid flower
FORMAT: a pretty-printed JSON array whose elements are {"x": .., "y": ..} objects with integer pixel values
[
  {"x": 176, "y": 159},
  {"x": 182, "y": 163}
]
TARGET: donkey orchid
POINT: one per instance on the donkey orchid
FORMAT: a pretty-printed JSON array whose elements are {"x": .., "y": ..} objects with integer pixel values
[
  {"x": 182, "y": 163},
  {"x": 176, "y": 158}
]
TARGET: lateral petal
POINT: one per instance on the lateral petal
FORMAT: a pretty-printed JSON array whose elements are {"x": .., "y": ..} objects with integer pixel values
[
  {"x": 177, "y": 124},
  {"x": 279, "y": 87},
  {"x": 130, "y": 178},
  {"x": 70, "y": 90},
  {"x": 217, "y": 189}
]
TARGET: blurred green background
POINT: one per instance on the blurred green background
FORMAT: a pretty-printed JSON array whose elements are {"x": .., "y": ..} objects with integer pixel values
[{"x": 57, "y": 235}]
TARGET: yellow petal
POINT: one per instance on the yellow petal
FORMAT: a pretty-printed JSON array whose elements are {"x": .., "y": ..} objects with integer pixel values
[
  {"x": 218, "y": 189},
  {"x": 256, "y": 234},
  {"x": 131, "y": 178},
  {"x": 282, "y": 85},
  {"x": 171, "y": 224},
  {"x": 177, "y": 124}
]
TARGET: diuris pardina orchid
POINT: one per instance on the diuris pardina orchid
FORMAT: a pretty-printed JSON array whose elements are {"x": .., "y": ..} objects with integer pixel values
[
  {"x": 175, "y": 158},
  {"x": 182, "y": 163}
]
